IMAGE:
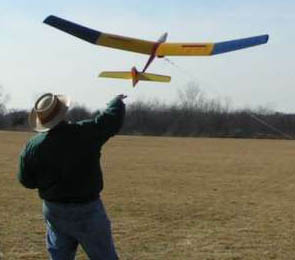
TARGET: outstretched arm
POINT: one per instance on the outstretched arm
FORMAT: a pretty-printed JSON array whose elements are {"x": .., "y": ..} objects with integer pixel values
[{"x": 109, "y": 122}]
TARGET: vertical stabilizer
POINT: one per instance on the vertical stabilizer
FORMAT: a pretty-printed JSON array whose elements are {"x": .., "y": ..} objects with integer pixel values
[{"x": 134, "y": 74}]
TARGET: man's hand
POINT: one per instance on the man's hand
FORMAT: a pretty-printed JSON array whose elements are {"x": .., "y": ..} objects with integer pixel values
[{"x": 122, "y": 96}]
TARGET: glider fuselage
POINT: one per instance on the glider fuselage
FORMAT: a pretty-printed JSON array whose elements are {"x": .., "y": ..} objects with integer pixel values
[{"x": 153, "y": 55}]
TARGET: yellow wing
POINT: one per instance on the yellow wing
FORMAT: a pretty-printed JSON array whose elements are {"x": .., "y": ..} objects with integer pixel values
[
  {"x": 100, "y": 38},
  {"x": 203, "y": 49},
  {"x": 185, "y": 49},
  {"x": 125, "y": 43},
  {"x": 148, "y": 47}
]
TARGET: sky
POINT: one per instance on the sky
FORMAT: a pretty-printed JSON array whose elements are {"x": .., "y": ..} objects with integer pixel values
[{"x": 36, "y": 58}]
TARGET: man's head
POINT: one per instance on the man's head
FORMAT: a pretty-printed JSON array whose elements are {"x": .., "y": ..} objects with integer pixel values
[{"x": 48, "y": 111}]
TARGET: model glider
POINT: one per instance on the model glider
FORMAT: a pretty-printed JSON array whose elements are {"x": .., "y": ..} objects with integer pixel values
[{"x": 154, "y": 49}]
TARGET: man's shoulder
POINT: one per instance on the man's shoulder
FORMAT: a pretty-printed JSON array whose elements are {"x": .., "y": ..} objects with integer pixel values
[{"x": 35, "y": 141}]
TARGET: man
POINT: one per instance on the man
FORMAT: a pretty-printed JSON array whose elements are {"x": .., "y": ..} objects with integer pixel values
[{"x": 63, "y": 163}]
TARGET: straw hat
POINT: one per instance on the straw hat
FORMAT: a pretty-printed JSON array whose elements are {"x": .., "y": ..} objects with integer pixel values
[{"x": 48, "y": 111}]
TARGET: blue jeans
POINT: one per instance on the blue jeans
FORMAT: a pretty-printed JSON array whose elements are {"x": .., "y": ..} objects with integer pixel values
[{"x": 70, "y": 224}]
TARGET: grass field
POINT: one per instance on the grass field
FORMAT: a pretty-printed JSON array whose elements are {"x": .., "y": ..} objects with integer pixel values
[{"x": 172, "y": 198}]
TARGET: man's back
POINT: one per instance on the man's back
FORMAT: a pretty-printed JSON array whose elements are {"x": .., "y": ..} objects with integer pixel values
[{"x": 64, "y": 163}]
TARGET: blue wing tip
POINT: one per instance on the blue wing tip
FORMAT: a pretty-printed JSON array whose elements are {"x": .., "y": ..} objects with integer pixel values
[
  {"x": 74, "y": 29},
  {"x": 266, "y": 38},
  {"x": 233, "y": 45},
  {"x": 49, "y": 19}
]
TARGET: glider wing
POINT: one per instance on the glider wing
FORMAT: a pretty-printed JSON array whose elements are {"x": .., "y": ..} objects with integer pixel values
[
  {"x": 148, "y": 47},
  {"x": 205, "y": 49},
  {"x": 184, "y": 49},
  {"x": 100, "y": 38}
]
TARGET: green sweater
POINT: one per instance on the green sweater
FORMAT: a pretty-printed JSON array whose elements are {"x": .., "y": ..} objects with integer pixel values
[{"x": 64, "y": 163}]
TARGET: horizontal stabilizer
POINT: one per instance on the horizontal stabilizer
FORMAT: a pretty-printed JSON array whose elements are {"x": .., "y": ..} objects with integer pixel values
[
  {"x": 140, "y": 76},
  {"x": 153, "y": 77},
  {"x": 116, "y": 74}
]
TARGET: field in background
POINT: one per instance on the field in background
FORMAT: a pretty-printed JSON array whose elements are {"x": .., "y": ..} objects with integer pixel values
[{"x": 172, "y": 198}]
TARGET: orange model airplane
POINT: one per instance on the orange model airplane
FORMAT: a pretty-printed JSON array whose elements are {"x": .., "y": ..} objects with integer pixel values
[{"x": 155, "y": 49}]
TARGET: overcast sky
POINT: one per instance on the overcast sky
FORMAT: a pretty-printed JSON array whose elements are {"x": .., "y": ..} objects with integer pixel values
[{"x": 36, "y": 58}]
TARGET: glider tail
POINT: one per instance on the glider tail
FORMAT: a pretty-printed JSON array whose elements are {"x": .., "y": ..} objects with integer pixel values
[{"x": 135, "y": 76}]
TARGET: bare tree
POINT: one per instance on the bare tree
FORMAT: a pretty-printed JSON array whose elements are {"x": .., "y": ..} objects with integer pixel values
[
  {"x": 3, "y": 100},
  {"x": 77, "y": 113},
  {"x": 191, "y": 97},
  {"x": 17, "y": 119}
]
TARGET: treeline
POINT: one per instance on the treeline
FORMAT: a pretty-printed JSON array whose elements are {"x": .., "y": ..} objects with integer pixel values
[
  {"x": 195, "y": 115},
  {"x": 192, "y": 115}
]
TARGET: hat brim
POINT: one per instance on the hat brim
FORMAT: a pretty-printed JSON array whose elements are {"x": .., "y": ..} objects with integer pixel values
[{"x": 37, "y": 126}]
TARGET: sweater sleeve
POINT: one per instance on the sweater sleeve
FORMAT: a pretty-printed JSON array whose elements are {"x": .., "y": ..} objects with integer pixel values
[
  {"x": 109, "y": 122},
  {"x": 25, "y": 174}
]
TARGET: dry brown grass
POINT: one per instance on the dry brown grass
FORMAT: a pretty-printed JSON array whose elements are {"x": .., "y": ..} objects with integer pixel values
[{"x": 172, "y": 198}]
